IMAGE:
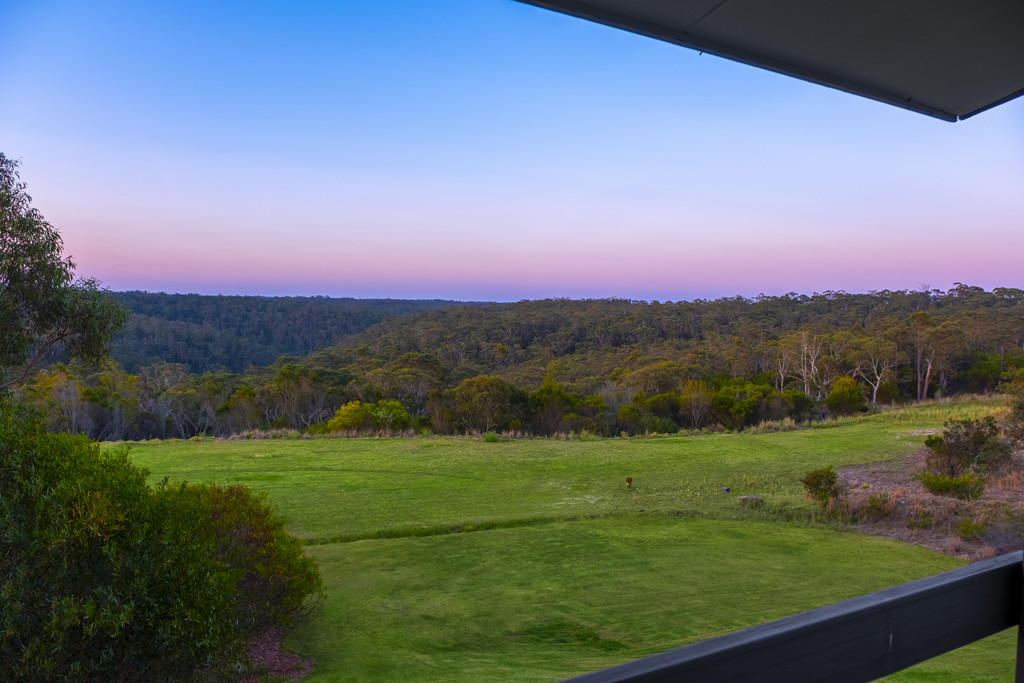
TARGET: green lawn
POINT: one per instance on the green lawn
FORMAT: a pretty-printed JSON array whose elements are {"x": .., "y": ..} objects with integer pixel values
[
  {"x": 506, "y": 604},
  {"x": 567, "y": 570},
  {"x": 344, "y": 488}
]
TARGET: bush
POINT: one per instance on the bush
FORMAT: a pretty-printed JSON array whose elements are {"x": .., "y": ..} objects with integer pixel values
[
  {"x": 878, "y": 507},
  {"x": 966, "y": 445},
  {"x": 1013, "y": 385},
  {"x": 658, "y": 425},
  {"x": 822, "y": 485},
  {"x": 103, "y": 577},
  {"x": 846, "y": 397},
  {"x": 970, "y": 530},
  {"x": 965, "y": 487},
  {"x": 389, "y": 415},
  {"x": 355, "y": 416},
  {"x": 352, "y": 416},
  {"x": 274, "y": 579}
]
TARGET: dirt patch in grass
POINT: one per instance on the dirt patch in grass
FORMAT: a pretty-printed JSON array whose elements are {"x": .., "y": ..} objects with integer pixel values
[
  {"x": 276, "y": 664},
  {"x": 886, "y": 499}
]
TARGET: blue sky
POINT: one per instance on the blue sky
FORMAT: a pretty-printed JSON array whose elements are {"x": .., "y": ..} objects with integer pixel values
[{"x": 479, "y": 149}]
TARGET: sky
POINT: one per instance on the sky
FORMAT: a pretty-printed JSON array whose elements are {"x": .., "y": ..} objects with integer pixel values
[{"x": 479, "y": 150}]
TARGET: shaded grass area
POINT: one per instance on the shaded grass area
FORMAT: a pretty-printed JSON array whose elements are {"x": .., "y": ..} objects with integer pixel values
[{"x": 576, "y": 571}]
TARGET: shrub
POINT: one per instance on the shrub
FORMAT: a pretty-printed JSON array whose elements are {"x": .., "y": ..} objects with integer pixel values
[
  {"x": 352, "y": 416},
  {"x": 822, "y": 484},
  {"x": 1013, "y": 385},
  {"x": 103, "y": 577},
  {"x": 389, "y": 415},
  {"x": 965, "y": 487},
  {"x": 846, "y": 397},
  {"x": 274, "y": 579},
  {"x": 970, "y": 530},
  {"x": 878, "y": 507},
  {"x": 967, "y": 444},
  {"x": 658, "y": 425}
]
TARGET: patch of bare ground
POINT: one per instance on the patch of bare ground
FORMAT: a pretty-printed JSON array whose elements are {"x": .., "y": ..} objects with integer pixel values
[
  {"x": 274, "y": 663},
  {"x": 886, "y": 499}
]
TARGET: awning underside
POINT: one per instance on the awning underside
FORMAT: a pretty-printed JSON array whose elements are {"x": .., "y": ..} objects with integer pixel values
[{"x": 946, "y": 58}]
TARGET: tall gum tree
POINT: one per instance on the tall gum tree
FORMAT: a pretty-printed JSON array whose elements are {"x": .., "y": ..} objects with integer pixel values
[{"x": 42, "y": 306}]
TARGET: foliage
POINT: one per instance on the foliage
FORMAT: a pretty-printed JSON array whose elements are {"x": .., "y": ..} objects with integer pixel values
[
  {"x": 1013, "y": 385},
  {"x": 969, "y": 530},
  {"x": 274, "y": 581},
  {"x": 822, "y": 484},
  {"x": 211, "y": 333},
  {"x": 966, "y": 445},
  {"x": 550, "y": 405},
  {"x": 42, "y": 307},
  {"x": 389, "y": 415},
  {"x": 548, "y": 367},
  {"x": 382, "y": 415},
  {"x": 845, "y": 398},
  {"x": 106, "y": 578},
  {"x": 487, "y": 403},
  {"x": 967, "y": 486},
  {"x": 352, "y": 416},
  {"x": 695, "y": 401},
  {"x": 878, "y": 506}
]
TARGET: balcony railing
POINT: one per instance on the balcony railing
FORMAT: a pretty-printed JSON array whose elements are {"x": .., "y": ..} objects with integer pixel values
[{"x": 860, "y": 639}]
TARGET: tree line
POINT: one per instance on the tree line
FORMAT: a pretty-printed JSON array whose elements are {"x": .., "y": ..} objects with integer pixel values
[
  {"x": 209, "y": 333},
  {"x": 599, "y": 366}
]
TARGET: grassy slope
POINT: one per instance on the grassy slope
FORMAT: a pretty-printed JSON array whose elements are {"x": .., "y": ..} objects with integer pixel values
[{"x": 497, "y": 605}]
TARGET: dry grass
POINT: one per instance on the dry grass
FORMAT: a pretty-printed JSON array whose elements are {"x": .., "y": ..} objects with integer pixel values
[{"x": 885, "y": 499}]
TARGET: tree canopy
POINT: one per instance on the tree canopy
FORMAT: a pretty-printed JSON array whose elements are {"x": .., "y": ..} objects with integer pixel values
[
  {"x": 598, "y": 366},
  {"x": 42, "y": 306}
]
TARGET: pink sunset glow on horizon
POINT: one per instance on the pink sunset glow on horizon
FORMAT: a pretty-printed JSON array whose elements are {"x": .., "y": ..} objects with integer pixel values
[{"x": 481, "y": 151}]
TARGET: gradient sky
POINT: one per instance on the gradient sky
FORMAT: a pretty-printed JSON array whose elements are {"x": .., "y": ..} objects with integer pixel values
[{"x": 479, "y": 149}]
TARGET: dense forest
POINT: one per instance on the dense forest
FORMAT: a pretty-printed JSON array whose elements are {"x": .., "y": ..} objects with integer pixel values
[
  {"x": 605, "y": 367},
  {"x": 207, "y": 333}
]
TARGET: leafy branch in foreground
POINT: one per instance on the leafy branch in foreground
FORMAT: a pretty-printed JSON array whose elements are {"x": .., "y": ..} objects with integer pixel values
[{"x": 42, "y": 306}]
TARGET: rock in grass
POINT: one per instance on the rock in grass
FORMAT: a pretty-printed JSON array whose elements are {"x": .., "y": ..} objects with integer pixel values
[{"x": 751, "y": 501}]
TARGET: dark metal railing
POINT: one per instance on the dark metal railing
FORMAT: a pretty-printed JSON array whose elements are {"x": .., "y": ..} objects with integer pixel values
[{"x": 860, "y": 639}]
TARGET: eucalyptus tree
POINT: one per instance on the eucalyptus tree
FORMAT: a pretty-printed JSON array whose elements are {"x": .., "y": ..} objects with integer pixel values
[
  {"x": 873, "y": 359},
  {"x": 42, "y": 305}
]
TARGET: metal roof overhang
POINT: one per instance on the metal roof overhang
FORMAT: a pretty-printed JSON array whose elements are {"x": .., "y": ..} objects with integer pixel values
[{"x": 950, "y": 59}]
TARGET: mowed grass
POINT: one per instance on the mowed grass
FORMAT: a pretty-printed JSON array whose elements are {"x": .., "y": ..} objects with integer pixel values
[
  {"x": 545, "y": 603},
  {"x": 574, "y": 571},
  {"x": 342, "y": 489}
]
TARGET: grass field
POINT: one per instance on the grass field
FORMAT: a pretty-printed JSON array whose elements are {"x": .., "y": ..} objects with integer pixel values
[{"x": 566, "y": 569}]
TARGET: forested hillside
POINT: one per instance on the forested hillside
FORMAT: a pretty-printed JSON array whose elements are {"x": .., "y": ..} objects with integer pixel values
[
  {"x": 599, "y": 366},
  {"x": 788, "y": 339},
  {"x": 234, "y": 332}
]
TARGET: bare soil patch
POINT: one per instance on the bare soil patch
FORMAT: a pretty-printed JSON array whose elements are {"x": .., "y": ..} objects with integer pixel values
[
  {"x": 886, "y": 499},
  {"x": 277, "y": 664}
]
